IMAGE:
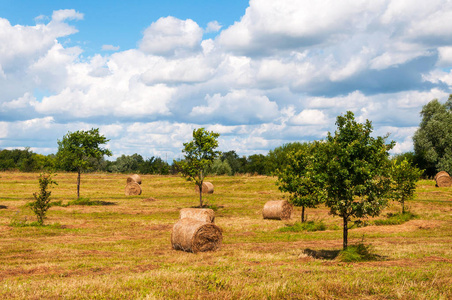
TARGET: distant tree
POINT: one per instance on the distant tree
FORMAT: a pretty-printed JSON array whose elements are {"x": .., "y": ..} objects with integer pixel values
[
  {"x": 355, "y": 169},
  {"x": 278, "y": 157},
  {"x": 258, "y": 164},
  {"x": 42, "y": 199},
  {"x": 299, "y": 177},
  {"x": 77, "y": 150},
  {"x": 154, "y": 165},
  {"x": 433, "y": 139},
  {"x": 219, "y": 167},
  {"x": 234, "y": 161},
  {"x": 199, "y": 155},
  {"x": 404, "y": 177}
]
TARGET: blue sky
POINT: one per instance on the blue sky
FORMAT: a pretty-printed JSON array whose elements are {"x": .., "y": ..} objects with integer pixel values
[{"x": 261, "y": 73}]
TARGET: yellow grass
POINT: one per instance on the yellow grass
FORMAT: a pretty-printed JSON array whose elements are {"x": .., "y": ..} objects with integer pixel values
[{"x": 123, "y": 251}]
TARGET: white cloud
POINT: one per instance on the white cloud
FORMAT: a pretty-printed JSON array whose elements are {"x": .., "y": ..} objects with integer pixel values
[
  {"x": 168, "y": 36},
  {"x": 110, "y": 48},
  {"x": 237, "y": 107},
  {"x": 213, "y": 26},
  {"x": 309, "y": 117}
]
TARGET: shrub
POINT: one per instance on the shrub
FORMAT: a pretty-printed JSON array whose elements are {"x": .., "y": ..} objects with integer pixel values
[
  {"x": 357, "y": 253},
  {"x": 42, "y": 200}
]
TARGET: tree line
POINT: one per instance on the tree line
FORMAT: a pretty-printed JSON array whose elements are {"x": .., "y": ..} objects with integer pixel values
[{"x": 432, "y": 153}]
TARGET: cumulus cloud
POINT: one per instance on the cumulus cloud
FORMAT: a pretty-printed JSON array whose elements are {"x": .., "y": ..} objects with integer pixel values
[
  {"x": 213, "y": 26},
  {"x": 168, "y": 36}
]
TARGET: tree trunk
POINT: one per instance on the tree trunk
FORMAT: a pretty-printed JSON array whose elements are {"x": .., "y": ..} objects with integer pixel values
[
  {"x": 78, "y": 184},
  {"x": 200, "y": 188},
  {"x": 302, "y": 215},
  {"x": 345, "y": 233},
  {"x": 403, "y": 206}
]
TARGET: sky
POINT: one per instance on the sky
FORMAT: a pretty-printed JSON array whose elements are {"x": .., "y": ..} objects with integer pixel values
[{"x": 261, "y": 73}]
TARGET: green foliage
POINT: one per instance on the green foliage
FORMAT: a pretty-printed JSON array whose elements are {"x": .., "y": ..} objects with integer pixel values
[
  {"x": 357, "y": 253},
  {"x": 258, "y": 164},
  {"x": 25, "y": 161},
  {"x": 355, "y": 169},
  {"x": 278, "y": 158},
  {"x": 42, "y": 199},
  {"x": 433, "y": 139},
  {"x": 404, "y": 177},
  {"x": 396, "y": 219},
  {"x": 199, "y": 155},
  {"x": 236, "y": 163},
  {"x": 220, "y": 167},
  {"x": 78, "y": 151},
  {"x": 298, "y": 177},
  {"x": 87, "y": 202},
  {"x": 304, "y": 226}
]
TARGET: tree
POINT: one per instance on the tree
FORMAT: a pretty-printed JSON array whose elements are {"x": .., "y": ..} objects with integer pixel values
[
  {"x": 355, "y": 171},
  {"x": 278, "y": 157},
  {"x": 433, "y": 139},
  {"x": 299, "y": 177},
  {"x": 234, "y": 161},
  {"x": 77, "y": 150},
  {"x": 404, "y": 177},
  {"x": 199, "y": 155},
  {"x": 42, "y": 200}
]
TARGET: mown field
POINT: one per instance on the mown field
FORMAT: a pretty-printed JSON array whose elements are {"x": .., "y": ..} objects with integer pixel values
[{"x": 122, "y": 249}]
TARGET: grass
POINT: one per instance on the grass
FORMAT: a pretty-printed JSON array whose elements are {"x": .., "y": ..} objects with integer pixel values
[
  {"x": 123, "y": 251},
  {"x": 306, "y": 226}
]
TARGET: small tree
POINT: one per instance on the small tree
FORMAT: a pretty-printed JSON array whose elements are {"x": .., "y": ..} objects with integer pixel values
[
  {"x": 404, "y": 177},
  {"x": 77, "y": 150},
  {"x": 299, "y": 178},
  {"x": 356, "y": 171},
  {"x": 199, "y": 154},
  {"x": 42, "y": 200}
]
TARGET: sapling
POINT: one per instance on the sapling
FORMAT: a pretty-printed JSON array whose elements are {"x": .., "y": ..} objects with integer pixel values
[{"x": 42, "y": 199}]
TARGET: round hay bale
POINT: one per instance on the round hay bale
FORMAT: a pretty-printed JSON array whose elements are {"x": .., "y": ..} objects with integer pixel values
[
  {"x": 133, "y": 189},
  {"x": 200, "y": 214},
  {"x": 440, "y": 173},
  {"x": 443, "y": 181},
  {"x": 191, "y": 235},
  {"x": 277, "y": 209},
  {"x": 207, "y": 188},
  {"x": 134, "y": 178}
]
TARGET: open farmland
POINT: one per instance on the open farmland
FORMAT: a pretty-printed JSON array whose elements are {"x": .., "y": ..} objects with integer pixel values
[{"x": 122, "y": 249}]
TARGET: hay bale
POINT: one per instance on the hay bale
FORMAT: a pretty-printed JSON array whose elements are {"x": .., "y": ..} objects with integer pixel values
[
  {"x": 440, "y": 173},
  {"x": 207, "y": 188},
  {"x": 443, "y": 181},
  {"x": 133, "y": 189},
  {"x": 277, "y": 209},
  {"x": 192, "y": 235},
  {"x": 200, "y": 214},
  {"x": 134, "y": 178}
]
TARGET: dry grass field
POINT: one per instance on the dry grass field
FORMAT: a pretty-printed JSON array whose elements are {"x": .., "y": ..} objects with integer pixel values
[{"x": 122, "y": 249}]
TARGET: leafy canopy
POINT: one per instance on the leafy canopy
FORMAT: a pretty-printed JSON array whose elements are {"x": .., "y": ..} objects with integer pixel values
[
  {"x": 355, "y": 170},
  {"x": 77, "y": 150},
  {"x": 404, "y": 177},
  {"x": 300, "y": 178},
  {"x": 199, "y": 155},
  {"x": 433, "y": 139}
]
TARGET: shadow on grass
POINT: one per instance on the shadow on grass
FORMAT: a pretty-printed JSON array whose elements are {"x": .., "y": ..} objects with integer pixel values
[
  {"x": 3, "y": 207},
  {"x": 322, "y": 254}
]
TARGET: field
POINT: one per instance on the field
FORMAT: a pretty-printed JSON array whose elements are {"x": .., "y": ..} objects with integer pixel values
[{"x": 121, "y": 248}]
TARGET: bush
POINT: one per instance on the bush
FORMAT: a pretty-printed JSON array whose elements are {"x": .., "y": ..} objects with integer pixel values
[
  {"x": 396, "y": 219},
  {"x": 357, "y": 253},
  {"x": 42, "y": 200},
  {"x": 306, "y": 226}
]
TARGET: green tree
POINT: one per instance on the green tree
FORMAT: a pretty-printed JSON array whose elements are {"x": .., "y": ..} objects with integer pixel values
[
  {"x": 234, "y": 161},
  {"x": 278, "y": 157},
  {"x": 433, "y": 139},
  {"x": 219, "y": 167},
  {"x": 355, "y": 171},
  {"x": 298, "y": 177},
  {"x": 42, "y": 199},
  {"x": 404, "y": 177},
  {"x": 77, "y": 150},
  {"x": 199, "y": 155}
]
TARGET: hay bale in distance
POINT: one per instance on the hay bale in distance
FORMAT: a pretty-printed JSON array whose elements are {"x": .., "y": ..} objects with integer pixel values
[
  {"x": 191, "y": 235},
  {"x": 443, "y": 181},
  {"x": 440, "y": 173},
  {"x": 133, "y": 189},
  {"x": 134, "y": 178},
  {"x": 277, "y": 209},
  {"x": 207, "y": 188},
  {"x": 200, "y": 214}
]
